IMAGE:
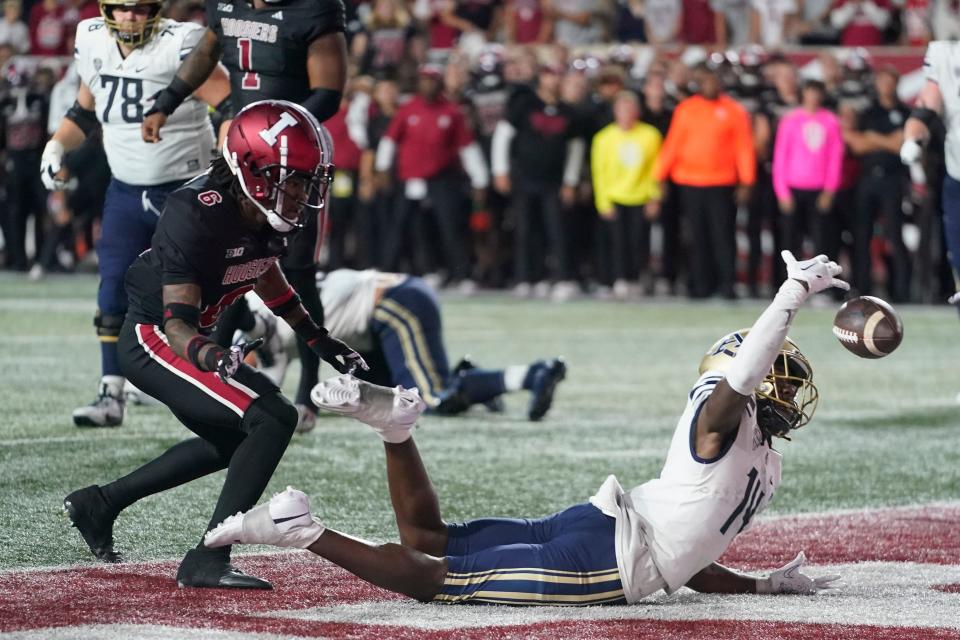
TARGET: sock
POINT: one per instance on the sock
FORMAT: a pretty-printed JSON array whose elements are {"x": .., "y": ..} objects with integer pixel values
[
  {"x": 181, "y": 463},
  {"x": 480, "y": 385},
  {"x": 114, "y": 384},
  {"x": 514, "y": 377},
  {"x": 109, "y": 360}
]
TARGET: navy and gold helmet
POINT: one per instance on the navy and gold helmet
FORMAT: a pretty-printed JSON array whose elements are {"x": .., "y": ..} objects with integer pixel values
[
  {"x": 133, "y": 34},
  {"x": 787, "y": 397}
]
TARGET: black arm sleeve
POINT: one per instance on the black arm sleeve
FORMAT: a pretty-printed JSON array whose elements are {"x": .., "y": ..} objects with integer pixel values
[
  {"x": 323, "y": 103},
  {"x": 83, "y": 118}
]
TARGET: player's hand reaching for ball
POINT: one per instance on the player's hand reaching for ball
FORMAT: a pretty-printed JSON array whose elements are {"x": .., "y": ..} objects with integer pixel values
[{"x": 818, "y": 274}]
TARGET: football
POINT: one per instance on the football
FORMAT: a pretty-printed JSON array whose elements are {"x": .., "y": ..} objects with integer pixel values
[{"x": 868, "y": 327}]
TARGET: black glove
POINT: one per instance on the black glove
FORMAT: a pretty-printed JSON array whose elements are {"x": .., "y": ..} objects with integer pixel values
[
  {"x": 330, "y": 349},
  {"x": 226, "y": 362}
]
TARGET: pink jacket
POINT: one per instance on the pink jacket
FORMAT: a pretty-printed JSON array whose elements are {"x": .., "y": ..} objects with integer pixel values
[{"x": 808, "y": 153}]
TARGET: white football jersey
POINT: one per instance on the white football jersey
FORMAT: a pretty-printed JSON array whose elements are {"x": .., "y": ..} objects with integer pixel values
[
  {"x": 685, "y": 519},
  {"x": 124, "y": 89},
  {"x": 942, "y": 65}
]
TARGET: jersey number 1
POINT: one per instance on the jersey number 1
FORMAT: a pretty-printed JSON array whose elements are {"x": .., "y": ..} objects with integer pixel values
[{"x": 250, "y": 79}]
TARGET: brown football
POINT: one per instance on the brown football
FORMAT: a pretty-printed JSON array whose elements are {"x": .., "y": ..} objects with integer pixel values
[{"x": 868, "y": 327}]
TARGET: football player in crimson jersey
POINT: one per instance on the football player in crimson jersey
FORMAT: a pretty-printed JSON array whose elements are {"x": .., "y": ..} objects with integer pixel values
[
  {"x": 122, "y": 58},
  {"x": 274, "y": 50},
  {"x": 219, "y": 237},
  {"x": 620, "y": 546}
]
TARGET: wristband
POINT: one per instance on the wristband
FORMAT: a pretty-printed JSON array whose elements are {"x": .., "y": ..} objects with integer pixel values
[
  {"x": 194, "y": 345},
  {"x": 187, "y": 313},
  {"x": 171, "y": 97},
  {"x": 284, "y": 303}
]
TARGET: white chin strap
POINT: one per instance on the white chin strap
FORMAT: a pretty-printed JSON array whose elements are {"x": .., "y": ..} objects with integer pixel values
[{"x": 276, "y": 221}]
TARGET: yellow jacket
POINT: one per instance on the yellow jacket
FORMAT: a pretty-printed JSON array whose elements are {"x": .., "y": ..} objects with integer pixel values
[{"x": 622, "y": 164}]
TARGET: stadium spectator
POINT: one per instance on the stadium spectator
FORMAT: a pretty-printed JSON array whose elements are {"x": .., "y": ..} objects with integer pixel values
[
  {"x": 384, "y": 44},
  {"x": 580, "y": 22},
  {"x": 916, "y": 16},
  {"x": 527, "y": 22},
  {"x": 772, "y": 22},
  {"x": 807, "y": 164},
  {"x": 377, "y": 196},
  {"x": 732, "y": 19},
  {"x": 340, "y": 218},
  {"x": 861, "y": 22},
  {"x": 880, "y": 193},
  {"x": 48, "y": 29},
  {"x": 657, "y": 110},
  {"x": 709, "y": 154},
  {"x": 541, "y": 175},
  {"x": 698, "y": 24},
  {"x": 441, "y": 34},
  {"x": 769, "y": 104},
  {"x": 24, "y": 114},
  {"x": 430, "y": 121},
  {"x": 629, "y": 21},
  {"x": 662, "y": 20},
  {"x": 477, "y": 20},
  {"x": 627, "y": 196},
  {"x": 620, "y": 546},
  {"x": 13, "y": 31}
]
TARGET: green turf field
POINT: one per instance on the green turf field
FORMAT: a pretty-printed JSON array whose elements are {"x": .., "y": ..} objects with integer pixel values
[{"x": 887, "y": 432}]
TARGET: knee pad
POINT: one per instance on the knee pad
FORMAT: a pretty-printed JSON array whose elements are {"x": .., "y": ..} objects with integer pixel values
[
  {"x": 272, "y": 410},
  {"x": 108, "y": 325}
]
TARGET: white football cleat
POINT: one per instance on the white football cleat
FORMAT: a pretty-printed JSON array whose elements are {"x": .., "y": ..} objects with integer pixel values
[
  {"x": 391, "y": 412},
  {"x": 285, "y": 521},
  {"x": 106, "y": 410}
]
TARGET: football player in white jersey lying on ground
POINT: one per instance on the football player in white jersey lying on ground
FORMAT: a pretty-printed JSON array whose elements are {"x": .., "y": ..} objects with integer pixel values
[{"x": 619, "y": 547}]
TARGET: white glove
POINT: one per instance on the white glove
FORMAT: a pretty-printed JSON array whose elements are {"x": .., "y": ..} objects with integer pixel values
[
  {"x": 818, "y": 272},
  {"x": 788, "y": 579},
  {"x": 954, "y": 299},
  {"x": 50, "y": 164},
  {"x": 910, "y": 151}
]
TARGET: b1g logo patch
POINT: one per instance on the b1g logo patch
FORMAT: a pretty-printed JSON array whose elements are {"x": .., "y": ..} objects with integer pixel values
[{"x": 210, "y": 198}]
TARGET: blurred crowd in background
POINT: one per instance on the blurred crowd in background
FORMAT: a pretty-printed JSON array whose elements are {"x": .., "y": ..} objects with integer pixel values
[{"x": 629, "y": 148}]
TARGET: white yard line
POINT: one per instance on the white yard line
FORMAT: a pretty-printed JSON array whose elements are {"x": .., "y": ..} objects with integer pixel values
[{"x": 874, "y": 593}]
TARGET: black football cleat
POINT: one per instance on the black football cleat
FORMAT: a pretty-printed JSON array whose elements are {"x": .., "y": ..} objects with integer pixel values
[
  {"x": 545, "y": 382},
  {"x": 204, "y": 570},
  {"x": 93, "y": 518}
]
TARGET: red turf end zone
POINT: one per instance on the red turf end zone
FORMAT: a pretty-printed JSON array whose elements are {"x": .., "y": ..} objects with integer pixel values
[{"x": 145, "y": 594}]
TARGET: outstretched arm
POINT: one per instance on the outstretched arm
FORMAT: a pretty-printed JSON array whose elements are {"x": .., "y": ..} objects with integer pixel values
[
  {"x": 283, "y": 301},
  {"x": 717, "y": 578},
  {"x": 721, "y": 413}
]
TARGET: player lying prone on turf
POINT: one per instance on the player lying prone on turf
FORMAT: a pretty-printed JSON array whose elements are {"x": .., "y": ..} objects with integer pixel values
[{"x": 621, "y": 546}]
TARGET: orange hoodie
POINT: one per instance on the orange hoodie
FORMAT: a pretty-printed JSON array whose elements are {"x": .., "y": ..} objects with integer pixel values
[{"x": 709, "y": 144}]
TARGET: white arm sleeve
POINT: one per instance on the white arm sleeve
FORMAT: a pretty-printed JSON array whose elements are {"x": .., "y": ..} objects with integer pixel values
[
  {"x": 385, "y": 152},
  {"x": 877, "y": 16},
  {"x": 762, "y": 344},
  {"x": 500, "y": 148},
  {"x": 839, "y": 18},
  {"x": 571, "y": 170},
  {"x": 474, "y": 164},
  {"x": 357, "y": 116}
]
